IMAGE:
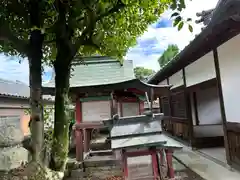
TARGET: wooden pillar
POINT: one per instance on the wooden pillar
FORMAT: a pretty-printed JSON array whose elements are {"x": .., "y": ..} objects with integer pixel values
[
  {"x": 169, "y": 154},
  {"x": 78, "y": 133},
  {"x": 121, "y": 107},
  {"x": 170, "y": 109},
  {"x": 161, "y": 153},
  {"x": 222, "y": 107},
  {"x": 78, "y": 111},
  {"x": 86, "y": 140},
  {"x": 79, "y": 145},
  {"x": 124, "y": 165},
  {"x": 154, "y": 164},
  {"x": 188, "y": 109},
  {"x": 141, "y": 107},
  {"x": 152, "y": 99}
]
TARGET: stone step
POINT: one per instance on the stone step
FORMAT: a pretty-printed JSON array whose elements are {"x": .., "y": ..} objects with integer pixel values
[
  {"x": 108, "y": 152},
  {"x": 104, "y": 170},
  {"x": 99, "y": 161}
]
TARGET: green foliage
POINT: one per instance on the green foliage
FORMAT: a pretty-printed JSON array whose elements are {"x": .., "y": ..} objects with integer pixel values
[
  {"x": 178, "y": 6},
  {"x": 78, "y": 28},
  {"x": 107, "y": 27},
  {"x": 168, "y": 54},
  {"x": 142, "y": 73}
]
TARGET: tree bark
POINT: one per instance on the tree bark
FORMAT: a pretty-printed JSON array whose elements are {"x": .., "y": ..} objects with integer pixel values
[
  {"x": 35, "y": 81},
  {"x": 61, "y": 120},
  {"x": 62, "y": 66}
]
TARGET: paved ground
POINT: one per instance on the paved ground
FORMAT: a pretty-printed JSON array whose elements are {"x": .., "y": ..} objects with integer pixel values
[{"x": 206, "y": 168}]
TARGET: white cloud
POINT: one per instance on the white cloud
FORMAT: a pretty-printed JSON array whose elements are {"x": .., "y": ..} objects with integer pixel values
[
  {"x": 171, "y": 35},
  {"x": 11, "y": 69}
]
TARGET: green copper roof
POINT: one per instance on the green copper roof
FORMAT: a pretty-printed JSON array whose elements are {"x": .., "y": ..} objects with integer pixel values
[{"x": 98, "y": 70}]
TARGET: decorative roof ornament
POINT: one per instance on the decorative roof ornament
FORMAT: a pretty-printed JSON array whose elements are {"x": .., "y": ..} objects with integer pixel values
[
  {"x": 205, "y": 17},
  {"x": 208, "y": 16}
]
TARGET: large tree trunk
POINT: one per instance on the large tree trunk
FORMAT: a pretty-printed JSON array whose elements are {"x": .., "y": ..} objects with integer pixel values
[
  {"x": 62, "y": 66},
  {"x": 61, "y": 122},
  {"x": 35, "y": 81}
]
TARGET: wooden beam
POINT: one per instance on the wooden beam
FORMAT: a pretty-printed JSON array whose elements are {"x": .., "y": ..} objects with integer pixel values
[
  {"x": 138, "y": 153},
  {"x": 89, "y": 125},
  {"x": 78, "y": 111},
  {"x": 195, "y": 107},
  {"x": 188, "y": 108},
  {"x": 222, "y": 107}
]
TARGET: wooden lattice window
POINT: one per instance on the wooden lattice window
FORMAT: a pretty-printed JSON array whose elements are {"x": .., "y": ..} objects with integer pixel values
[
  {"x": 165, "y": 106},
  {"x": 178, "y": 105}
]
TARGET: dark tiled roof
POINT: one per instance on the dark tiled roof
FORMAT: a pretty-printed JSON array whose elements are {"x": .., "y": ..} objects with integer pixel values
[{"x": 14, "y": 89}]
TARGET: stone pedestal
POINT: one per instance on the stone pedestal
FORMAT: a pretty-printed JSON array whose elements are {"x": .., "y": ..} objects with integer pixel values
[{"x": 12, "y": 154}]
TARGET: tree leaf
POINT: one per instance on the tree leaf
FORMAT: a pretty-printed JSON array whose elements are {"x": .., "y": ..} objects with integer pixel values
[
  {"x": 174, "y": 5},
  {"x": 190, "y": 28},
  {"x": 171, "y": 51},
  {"x": 189, "y": 19},
  {"x": 177, "y": 20},
  {"x": 175, "y": 14},
  {"x": 182, "y": 4},
  {"x": 180, "y": 25}
]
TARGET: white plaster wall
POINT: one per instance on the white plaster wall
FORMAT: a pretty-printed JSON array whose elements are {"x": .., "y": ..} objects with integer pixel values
[
  {"x": 164, "y": 82},
  {"x": 229, "y": 63},
  {"x": 130, "y": 109},
  {"x": 176, "y": 79},
  {"x": 208, "y": 131},
  {"x": 208, "y": 106},
  {"x": 95, "y": 111},
  {"x": 201, "y": 70}
]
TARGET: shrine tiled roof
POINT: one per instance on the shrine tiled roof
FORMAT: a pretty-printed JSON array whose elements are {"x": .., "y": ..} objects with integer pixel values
[{"x": 98, "y": 70}]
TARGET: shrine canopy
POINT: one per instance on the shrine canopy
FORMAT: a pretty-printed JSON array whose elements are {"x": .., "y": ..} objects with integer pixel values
[
  {"x": 103, "y": 74},
  {"x": 140, "y": 132}
]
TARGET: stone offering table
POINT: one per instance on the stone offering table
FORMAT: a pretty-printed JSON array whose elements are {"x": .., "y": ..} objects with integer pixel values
[{"x": 142, "y": 148}]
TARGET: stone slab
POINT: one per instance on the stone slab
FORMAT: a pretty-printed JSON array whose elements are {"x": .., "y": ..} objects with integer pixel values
[
  {"x": 12, "y": 157},
  {"x": 10, "y": 131}
]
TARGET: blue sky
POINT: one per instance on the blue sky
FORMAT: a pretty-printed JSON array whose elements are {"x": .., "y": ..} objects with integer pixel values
[{"x": 148, "y": 49}]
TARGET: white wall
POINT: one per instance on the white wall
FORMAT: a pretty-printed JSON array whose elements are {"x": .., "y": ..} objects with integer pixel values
[
  {"x": 201, "y": 70},
  {"x": 176, "y": 79},
  {"x": 208, "y": 106},
  {"x": 130, "y": 108},
  {"x": 229, "y": 62},
  {"x": 164, "y": 82},
  {"x": 93, "y": 111},
  {"x": 208, "y": 131}
]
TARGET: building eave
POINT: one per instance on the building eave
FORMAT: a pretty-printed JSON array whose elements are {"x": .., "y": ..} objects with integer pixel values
[
  {"x": 219, "y": 30},
  {"x": 134, "y": 83}
]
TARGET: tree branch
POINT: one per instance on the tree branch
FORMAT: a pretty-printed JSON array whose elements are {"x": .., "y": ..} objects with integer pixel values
[
  {"x": 120, "y": 5},
  {"x": 18, "y": 8},
  {"x": 87, "y": 33},
  {"x": 8, "y": 36}
]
